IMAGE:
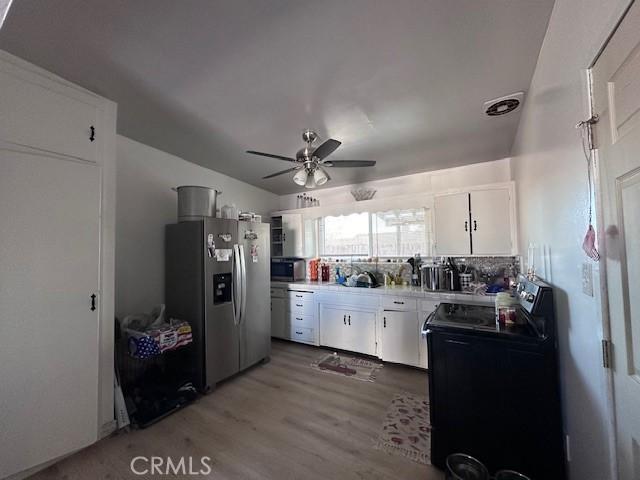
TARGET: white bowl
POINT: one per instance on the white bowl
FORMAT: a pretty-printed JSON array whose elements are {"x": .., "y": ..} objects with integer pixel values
[{"x": 363, "y": 193}]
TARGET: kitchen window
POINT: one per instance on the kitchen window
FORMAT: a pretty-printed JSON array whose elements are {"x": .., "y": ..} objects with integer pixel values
[
  {"x": 345, "y": 235},
  {"x": 393, "y": 233},
  {"x": 399, "y": 233}
]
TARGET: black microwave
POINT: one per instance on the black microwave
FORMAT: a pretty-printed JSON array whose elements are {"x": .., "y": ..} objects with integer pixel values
[{"x": 288, "y": 269}]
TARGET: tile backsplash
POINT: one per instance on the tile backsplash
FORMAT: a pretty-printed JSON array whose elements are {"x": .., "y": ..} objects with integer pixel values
[{"x": 484, "y": 269}]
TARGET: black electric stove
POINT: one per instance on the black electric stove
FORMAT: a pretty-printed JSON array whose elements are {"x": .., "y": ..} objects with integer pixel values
[
  {"x": 493, "y": 389},
  {"x": 482, "y": 320}
]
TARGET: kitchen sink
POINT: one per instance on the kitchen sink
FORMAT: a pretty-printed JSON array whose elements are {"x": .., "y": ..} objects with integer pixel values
[{"x": 356, "y": 286}]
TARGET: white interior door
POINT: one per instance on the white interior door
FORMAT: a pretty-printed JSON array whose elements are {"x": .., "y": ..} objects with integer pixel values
[
  {"x": 452, "y": 224},
  {"x": 616, "y": 83},
  {"x": 49, "y": 267},
  {"x": 491, "y": 222}
]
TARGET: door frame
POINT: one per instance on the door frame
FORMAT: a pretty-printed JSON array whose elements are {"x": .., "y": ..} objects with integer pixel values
[{"x": 598, "y": 214}]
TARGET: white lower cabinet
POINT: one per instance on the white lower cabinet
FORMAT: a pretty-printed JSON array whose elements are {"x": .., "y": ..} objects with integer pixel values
[
  {"x": 278, "y": 317},
  {"x": 348, "y": 329},
  {"x": 361, "y": 332},
  {"x": 293, "y": 316},
  {"x": 400, "y": 337}
]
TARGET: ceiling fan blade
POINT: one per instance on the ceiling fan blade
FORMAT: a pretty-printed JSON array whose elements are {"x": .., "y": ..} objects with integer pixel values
[
  {"x": 326, "y": 149},
  {"x": 270, "y": 155},
  {"x": 349, "y": 163},
  {"x": 282, "y": 172}
]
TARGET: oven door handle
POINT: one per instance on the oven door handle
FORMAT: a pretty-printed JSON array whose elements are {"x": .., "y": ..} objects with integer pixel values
[{"x": 425, "y": 325}]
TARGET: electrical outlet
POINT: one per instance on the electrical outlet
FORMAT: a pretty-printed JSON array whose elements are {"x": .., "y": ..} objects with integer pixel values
[{"x": 587, "y": 279}]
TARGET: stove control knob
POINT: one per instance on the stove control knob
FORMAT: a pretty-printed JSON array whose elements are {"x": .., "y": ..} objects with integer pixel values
[{"x": 529, "y": 297}]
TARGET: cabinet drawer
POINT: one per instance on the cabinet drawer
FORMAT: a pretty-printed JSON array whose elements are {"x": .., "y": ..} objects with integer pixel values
[
  {"x": 399, "y": 303},
  {"x": 302, "y": 334},
  {"x": 298, "y": 320},
  {"x": 300, "y": 307},
  {"x": 300, "y": 297}
]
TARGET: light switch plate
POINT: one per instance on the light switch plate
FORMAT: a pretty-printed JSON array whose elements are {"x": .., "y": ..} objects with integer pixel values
[{"x": 587, "y": 279}]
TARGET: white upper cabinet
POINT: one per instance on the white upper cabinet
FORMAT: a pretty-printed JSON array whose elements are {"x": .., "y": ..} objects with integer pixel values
[
  {"x": 477, "y": 222},
  {"x": 292, "y": 235},
  {"x": 491, "y": 222},
  {"x": 50, "y": 117},
  {"x": 451, "y": 213}
]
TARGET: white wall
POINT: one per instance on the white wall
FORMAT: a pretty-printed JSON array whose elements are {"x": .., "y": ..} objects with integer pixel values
[
  {"x": 146, "y": 203},
  {"x": 427, "y": 182},
  {"x": 550, "y": 173}
]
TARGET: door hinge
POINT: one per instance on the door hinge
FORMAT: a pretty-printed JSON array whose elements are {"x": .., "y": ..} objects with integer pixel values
[
  {"x": 606, "y": 353},
  {"x": 587, "y": 127}
]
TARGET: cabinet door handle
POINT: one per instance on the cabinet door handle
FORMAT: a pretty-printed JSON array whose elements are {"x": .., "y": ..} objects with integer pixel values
[
  {"x": 398, "y": 303},
  {"x": 93, "y": 302},
  {"x": 385, "y": 322},
  {"x": 466, "y": 226},
  {"x": 298, "y": 305},
  {"x": 349, "y": 319},
  {"x": 92, "y": 137},
  {"x": 284, "y": 237},
  {"x": 344, "y": 318},
  {"x": 298, "y": 318},
  {"x": 298, "y": 333},
  {"x": 475, "y": 225},
  {"x": 298, "y": 296}
]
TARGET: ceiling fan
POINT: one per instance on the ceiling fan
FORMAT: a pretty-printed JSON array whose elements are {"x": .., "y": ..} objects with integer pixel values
[{"x": 310, "y": 161}]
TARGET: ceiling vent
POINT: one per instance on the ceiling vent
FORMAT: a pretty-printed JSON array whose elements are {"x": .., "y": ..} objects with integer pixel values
[{"x": 503, "y": 105}]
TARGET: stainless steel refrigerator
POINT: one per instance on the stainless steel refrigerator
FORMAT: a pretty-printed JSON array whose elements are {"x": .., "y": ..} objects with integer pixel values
[{"x": 217, "y": 278}]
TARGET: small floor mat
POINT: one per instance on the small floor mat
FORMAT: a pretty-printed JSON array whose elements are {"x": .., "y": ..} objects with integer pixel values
[
  {"x": 406, "y": 429},
  {"x": 348, "y": 366}
]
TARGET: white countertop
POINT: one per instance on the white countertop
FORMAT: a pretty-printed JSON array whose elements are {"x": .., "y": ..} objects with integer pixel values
[{"x": 400, "y": 291}]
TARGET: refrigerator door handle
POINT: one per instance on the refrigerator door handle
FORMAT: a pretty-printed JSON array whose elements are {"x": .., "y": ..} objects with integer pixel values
[
  {"x": 235, "y": 294},
  {"x": 243, "y": 273}
]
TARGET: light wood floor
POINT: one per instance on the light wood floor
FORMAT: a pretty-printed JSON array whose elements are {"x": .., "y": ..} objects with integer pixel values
[{"x": 280, "y": 420}]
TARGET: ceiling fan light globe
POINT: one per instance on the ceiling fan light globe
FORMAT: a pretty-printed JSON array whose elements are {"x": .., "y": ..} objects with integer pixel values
[
  {"x": 311, "y": 183},
  {"x": 300, "y": 178},
  {"x": 320, "y": 176}
]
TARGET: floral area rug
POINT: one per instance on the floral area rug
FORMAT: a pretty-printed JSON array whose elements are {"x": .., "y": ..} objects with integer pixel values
[
  {"x": 406, "y": 429},
  {"x": 347, "y": 366}
]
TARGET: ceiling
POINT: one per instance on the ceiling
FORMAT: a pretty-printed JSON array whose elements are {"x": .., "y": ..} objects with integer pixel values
[{"x": 401, "y": 82}]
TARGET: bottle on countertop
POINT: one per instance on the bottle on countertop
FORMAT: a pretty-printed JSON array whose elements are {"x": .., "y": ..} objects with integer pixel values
[{"x": 325, "y": 272}]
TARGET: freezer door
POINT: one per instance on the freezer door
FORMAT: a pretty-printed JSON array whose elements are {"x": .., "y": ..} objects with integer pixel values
[
  {"x": 255, "y": 318},
  {"x": 222, "y": 348}
]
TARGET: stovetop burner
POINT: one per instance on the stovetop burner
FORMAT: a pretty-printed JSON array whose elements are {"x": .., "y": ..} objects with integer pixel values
[{"x": 481, "y": 318}]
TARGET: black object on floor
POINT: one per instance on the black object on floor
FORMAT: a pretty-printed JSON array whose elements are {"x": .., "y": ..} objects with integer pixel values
[{"x": 157, "y": 386}]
